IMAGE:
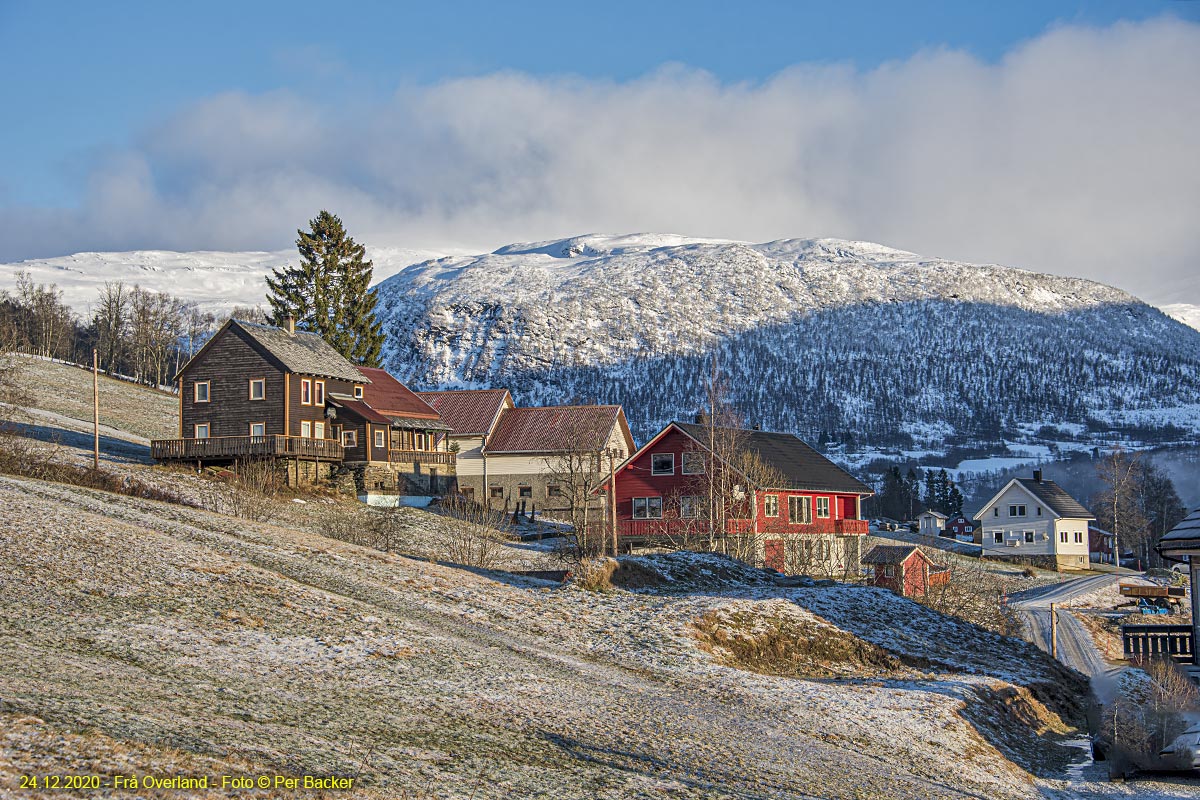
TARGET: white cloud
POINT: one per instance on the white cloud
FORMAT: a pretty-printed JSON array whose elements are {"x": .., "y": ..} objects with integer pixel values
[{"x": 1074, "y": 154}]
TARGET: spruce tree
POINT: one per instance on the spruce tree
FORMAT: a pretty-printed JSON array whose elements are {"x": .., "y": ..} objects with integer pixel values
[{"x": 329, "y": 292}]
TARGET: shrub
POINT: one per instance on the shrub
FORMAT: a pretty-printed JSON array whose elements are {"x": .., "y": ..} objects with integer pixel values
[{"x": 595, "y": 574}]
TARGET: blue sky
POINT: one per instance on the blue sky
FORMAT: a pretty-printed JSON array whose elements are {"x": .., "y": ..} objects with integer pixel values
[{"x": 1051, "y": 135}]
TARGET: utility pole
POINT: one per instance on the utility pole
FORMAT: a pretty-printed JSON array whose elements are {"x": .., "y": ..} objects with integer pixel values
[
  {"x": 1053, "y": 632},
  {"x": 95, "y": 409}
]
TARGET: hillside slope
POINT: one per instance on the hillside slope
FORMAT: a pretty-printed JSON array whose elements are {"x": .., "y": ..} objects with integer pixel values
[{"x": 813, "y": 335}]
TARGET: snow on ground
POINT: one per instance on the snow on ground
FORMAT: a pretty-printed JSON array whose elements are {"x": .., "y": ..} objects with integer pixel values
[{"x": 1187, "y": 313}]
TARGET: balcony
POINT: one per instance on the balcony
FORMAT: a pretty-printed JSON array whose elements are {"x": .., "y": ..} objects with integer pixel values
[
  {"x": 1146, "y": 641},
  {"x": 228, "y": 448},
  {"x": 425, "y": 457},
  {"x": 673, "y": 527}
]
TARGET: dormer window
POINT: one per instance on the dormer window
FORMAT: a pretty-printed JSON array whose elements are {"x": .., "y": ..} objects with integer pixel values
[{"x": 358, "y": 392}]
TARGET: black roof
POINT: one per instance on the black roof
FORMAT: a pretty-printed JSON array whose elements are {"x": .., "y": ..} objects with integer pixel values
[
  {"x": 302, "y": 352},
  {"x": 889, "y": 553},
  {"x": 800, "y": 466},
  {"x": 1055, "y": 498},
  {"x": 1184, "y": 536}
]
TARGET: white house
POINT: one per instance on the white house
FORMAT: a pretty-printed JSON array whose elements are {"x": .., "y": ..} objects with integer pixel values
[
  {"x": 1036, "y": 522},
  {"x": 932, "y": 523}
]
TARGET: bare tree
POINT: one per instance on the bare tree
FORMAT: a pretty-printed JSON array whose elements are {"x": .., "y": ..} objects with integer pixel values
[
  {"x": 50, "y": 325},
  {"x": 110, "y": 319},
  {"x": 477, "y": 536},
  {"x": 1117, "y": 505},
  {"x": 578, "y": 469}
]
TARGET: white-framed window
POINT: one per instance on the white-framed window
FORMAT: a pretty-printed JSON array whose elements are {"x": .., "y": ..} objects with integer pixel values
[
  {"x": 823, "y": 508},
  {"x": 889, "y": 571},
  {"x": 318, "y": 430},
  {"x": 258, "y": 388},
  {"x": 662, "y": 464},
  {"x": 1062, "y": 536},
  {"x": 1078, "y": 537},
  {"x": 799, "y": 509},
  {"x": 1016, "y": 511},
  {"x": 358, "y": 392},
  {"x": 349, "y": 438},
  {"x": 689, "y": 506},
  {"x": 771, "y": 505},
  {"x": 998, "y": 537},
  {"x": 1028, "y": 537},
  {"x": 968, "y": 528},
  {"x": 647, "y": 508},
  {"x": 996, "y": 511},
  {"x": 202, "y": 391},
  {"x": 421, "y": 441},
  {"x": 258, "y": 429},
  {"x": 692, "y": 463},
  {"x": 305, "y": 392},
  {"x": 318, "y": 393},
  {"x": 306, "y": 429},
  {"x": 380, "y": 439},
  {"x": 201, "y": 430}
]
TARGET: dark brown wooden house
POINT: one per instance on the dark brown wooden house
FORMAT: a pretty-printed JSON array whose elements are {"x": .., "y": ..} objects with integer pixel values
[{"x": 258, "y": 391}]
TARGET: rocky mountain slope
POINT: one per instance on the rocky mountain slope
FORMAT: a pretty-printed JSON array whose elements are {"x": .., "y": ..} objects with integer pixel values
[{"x": 864, "y": 343}]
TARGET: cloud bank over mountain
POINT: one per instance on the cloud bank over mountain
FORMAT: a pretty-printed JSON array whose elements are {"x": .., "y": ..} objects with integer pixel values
[{"x": 1073, "y": 154}]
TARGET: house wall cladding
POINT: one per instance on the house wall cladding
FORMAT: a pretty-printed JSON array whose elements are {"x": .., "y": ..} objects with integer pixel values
[{"x": 229, "y": 363}]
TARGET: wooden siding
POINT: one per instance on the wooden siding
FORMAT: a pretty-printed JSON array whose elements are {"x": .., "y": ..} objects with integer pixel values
[
  {"x": 228, "y": 448},
  {"x": 228, "y": 364}
]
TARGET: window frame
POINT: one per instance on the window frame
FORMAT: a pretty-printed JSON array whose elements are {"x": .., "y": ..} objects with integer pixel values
[
  {"x": 207, "y": 391},
  {"x": 819, "y": 501},
  {"x": 525, "y": 492},
  {"x": 306, "y": 391},
  {"x": 1063, "y": 537},
  {"x": 207, "y": 430},
  {"x": 1029, "y": 536},
  {"x": 553, "y": 490},
  {"x": 1078, "y": 537},
  {"x": 804, "y": 502},
  {"x": 689, "y": 506},
  {"x": 379, "y": 439},
  {"x": 262, "y": 382},
  {"x": 358, "y": 391},
  {"x": 262, "y": 425},
  {"x": 646, "y": 507},
  {"x": 697, "y": 455},
  {"x": 318, "y": 430},
  {"x": 771, "y": 502},
  {"x": 1017, "y": 510},
  {"x": 496, "y": 492},
  {"x": 318, "y": 393},
  {"x": 305, "y": 425},
  {"x": 349, "y": 438},
  {"x": 997, "y": 537},
  {"x": 654, "y": 470}
]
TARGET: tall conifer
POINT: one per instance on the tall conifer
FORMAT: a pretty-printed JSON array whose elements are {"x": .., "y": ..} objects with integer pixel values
[{"x": 329, "y": 292}]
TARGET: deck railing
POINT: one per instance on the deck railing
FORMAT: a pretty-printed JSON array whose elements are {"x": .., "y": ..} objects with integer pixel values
[
  {"x": 1145, "y": 641},
  {"x": 422, "y": 457},
  {"x": 219, "y": 448},
  {"x": 674, "y": 527}
]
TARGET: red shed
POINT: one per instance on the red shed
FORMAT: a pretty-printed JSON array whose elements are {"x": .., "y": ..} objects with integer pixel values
[{"x": 905, "y": 569}]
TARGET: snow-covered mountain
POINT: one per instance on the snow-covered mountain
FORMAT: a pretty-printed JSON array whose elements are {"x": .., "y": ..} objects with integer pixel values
[
  {"x": 217, "y": 281},
  {"x": 860, "y": 341},
  {"x": 1186, "y": 313}
]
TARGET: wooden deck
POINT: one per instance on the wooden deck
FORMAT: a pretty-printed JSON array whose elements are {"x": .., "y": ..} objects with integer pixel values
[
  {"x": 1148, "y": 641},
  {"x": 231, "y": 448},
  {"x": 422, "y": 457}
]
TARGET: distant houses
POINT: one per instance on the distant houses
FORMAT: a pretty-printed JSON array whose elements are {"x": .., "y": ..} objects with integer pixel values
[
  {"x": 1034, "y": 521},
  {"x": 931, "y": 523}
]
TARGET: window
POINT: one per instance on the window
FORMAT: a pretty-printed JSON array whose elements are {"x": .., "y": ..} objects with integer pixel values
[
  {"x": 305, "y": 392},
  {"x": 1078, "y": 537},
  {"x": 889, "y": 571},
  {"x": 422, "y": 441},
  {"x": 319, "y": 393},
  {"x": 306, "y": 429},
  {"x": 647, "y": 508},
  {"x": 689, "y": 507},
  {"x": 1062, "y": 536},
  {"x": 998, "y": 537},
  {"x": 202, "y": 430},
  {"x": 1039, "y": 511},
  {"x": 823, "y": 508},
  {"x": 358, "y": 393},
  {"x": 497, "y": 492},
  {"x": 969, "y": 528},
  {"x": 380, "y": 440},
  {"x": 1028, "y": 537},
  {"x": 525, "y": 491},
  {"x": 554, "y": 490},
  {"x": 800, "y": 510},
  {"x": 662, "y": 464},
  {"x": 258, "y": 429},
  {"x": 258, "y": 389},
  {"x": 318, "y": 430},
  {"x": 693, "y": 463},
  {"x": 467, "y": 492},
  {"x": 201, "y": 391},
  {"x": 771, "y": 505},
  {"x": 1016, "y": 511},
  {"x": 996, "y": 511},
  {"x": 349, "y": 438}
]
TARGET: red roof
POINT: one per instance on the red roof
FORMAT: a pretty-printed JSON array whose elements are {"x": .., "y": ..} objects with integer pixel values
[
  {"x": 468, "y": 412},
  {"x": 389, "y": 396},
  {"x": 553, "y": 429}
]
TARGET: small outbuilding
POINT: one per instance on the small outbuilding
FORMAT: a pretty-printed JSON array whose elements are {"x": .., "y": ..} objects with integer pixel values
[
  {"x": 932, "y": 523},
  {"x": 904, "y": 569}
]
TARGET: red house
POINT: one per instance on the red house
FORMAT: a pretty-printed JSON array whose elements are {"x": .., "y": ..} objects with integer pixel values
[
  {"x": 693, "y": 485},
  {"x": 904, "y": 569},
  {"x": 959, "y": 526}
]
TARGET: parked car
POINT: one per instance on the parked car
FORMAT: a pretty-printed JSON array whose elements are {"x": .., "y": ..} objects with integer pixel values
[{"x": 1184, "y": 752}]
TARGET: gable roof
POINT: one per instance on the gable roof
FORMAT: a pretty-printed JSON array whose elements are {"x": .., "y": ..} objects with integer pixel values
[
  {"x": 301, "y": 352},
  {"x": 389, "y": 396},
  {"x": 1049, "y": 493},
  {"x": 800, "y": 466},
  {"x": 554, "y": 429},
  {"x": 893, "y": 554},
  {"x": 359, "y": 408},
  {"x": 468, "y": 412},
  {"x": 932, "y": 513},
  {"x": 1183, "y": 537}
]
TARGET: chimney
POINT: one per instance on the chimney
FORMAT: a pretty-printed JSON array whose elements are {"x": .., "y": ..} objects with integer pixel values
[
  {"x": 1037, "y": 475},
  {"x": 291, "y": 325}
]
